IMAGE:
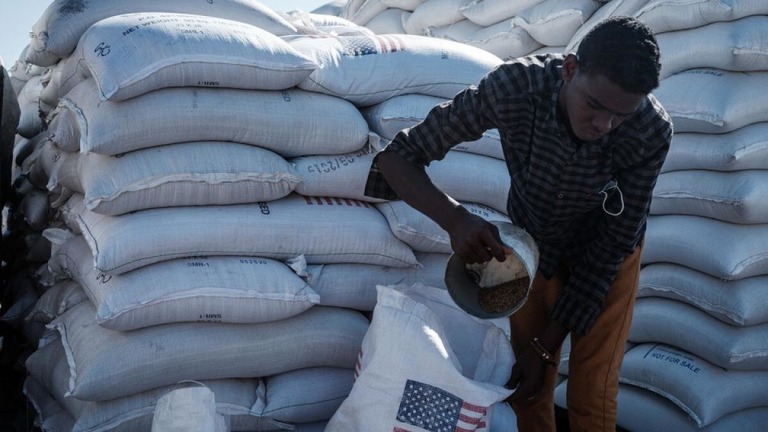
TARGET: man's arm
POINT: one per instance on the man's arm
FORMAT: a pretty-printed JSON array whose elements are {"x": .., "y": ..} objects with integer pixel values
[{"x": 473, "y": 238}]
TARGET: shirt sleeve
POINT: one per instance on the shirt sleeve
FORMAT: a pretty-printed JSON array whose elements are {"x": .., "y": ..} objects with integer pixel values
[
  {"x": 464, "y": 118},
  {"x": 593, "y": 272}
]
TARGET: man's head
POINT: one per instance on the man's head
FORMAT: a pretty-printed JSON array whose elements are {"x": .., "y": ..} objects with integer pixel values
[
  {"x": 625, "y": 51},
  {"x": 606, "y": 81}
]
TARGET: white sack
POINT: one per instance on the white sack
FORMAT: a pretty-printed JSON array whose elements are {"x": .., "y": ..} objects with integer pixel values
[
  {"x": 739, "y": 197},
  {"x": 433, "y": 13},
  {"x": 745, "y": 148},
  {"x": 341, "y": 176},
  {"x": 51, "y": 416},
  {"x": 641, "y": 409},
  {"x": 687, "y": 327},
  {"x": 188, "y": 409},
  {"x": 57, "y": 31},
  {"x": 30, "y": 120},
  {"x": 183, "y": 174},
  {"x": 554, "y": 22},
  {"x": 332, "y": 8},
  {"x": 36, "y": 210},
  {"x": 354, "y": 285},
  {"x": 423, "y": 234},
  {"x": 369, "y": 70},
  {"x": 367, "y": 11},
  {"x": 489, "y": 12},
  {"x": 400, "y": 112},
  {"x": 313, "y": 23},
  {"x": 670, "y": 15},
  {"x": 705, "y": 391},
  {"x": 421, "y": 358},
  {"x": 129, "y": 55},
  {"x": 290, "y": 122},
  {"x": 214, "y": 289},
  {"x": 742, "y": 302},
  {"x": 305, "y": 395},
  {"x": 474, "y": 178},
  {"x": 458, "y": 31},
  {"x": 56, "y": 300},
  {"x": 106, "y": 364},
  {"x": 713, "y": 100},
  {"x": 388, "y": 22},
  {"x": 732, "y": 45},
  {"x": 50, "y": 375},
  {"x": 721, "y": 249},
  {"x": 506, "y": 39},
  {"x": 324, "y": 230}
]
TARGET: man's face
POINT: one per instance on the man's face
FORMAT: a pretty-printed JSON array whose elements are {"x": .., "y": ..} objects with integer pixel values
[{"x": 593, "y": 104}]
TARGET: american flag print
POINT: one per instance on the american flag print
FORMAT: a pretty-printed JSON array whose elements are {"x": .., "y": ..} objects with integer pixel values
[
  {"x": 364, "y": 45},
  {"x": 436, "y": 410}
]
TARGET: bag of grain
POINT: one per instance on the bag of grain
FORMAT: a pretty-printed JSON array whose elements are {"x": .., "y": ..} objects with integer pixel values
[
  {"x": 129, "y": 55},
  {"x": 425, "y": 363}
]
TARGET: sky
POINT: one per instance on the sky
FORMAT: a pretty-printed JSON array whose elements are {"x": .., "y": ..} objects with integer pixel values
[{"x": 18, "y": 16}]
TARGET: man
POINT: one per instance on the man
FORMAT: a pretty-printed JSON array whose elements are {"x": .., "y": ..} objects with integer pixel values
[{"x": 584, "y": 141}]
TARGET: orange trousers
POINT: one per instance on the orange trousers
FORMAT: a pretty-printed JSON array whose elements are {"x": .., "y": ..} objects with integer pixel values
[{"x": 595, "y": 358}]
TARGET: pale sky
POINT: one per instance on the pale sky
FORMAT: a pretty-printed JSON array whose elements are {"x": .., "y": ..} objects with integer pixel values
[{"x": 18, "y": 16}]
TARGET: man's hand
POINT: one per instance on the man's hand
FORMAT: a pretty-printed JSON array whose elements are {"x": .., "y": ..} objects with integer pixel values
[
  {"x": 474, "y": 239},
  {"x": 527, "y": 376}
]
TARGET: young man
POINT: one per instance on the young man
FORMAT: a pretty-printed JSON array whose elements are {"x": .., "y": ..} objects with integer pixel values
[{"x": 584, "y": 141}]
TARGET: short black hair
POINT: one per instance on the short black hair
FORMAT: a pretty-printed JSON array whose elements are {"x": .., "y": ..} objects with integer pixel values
[{"x": 625, "y": 51}]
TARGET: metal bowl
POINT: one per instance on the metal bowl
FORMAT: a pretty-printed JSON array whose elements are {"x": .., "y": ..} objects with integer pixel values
[{"x": 464, "y": 280}]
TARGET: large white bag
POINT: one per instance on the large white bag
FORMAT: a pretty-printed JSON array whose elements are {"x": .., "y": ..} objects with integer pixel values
[
  {"x": 738, "y": 196},
  {"x": 304, "y": 395},
  {"x": 400, "y": 112},
  {"x": 369, "y": 70},
  {"x": 689, "y": 328},
  {"x": 554, "y": 22},
  {"x": 48, "y": 382},
  {"x": 670, "y": 15},
  {"x": 474, "y": 178},
  {"x": 742, "y": 302},
  {"x": 129, "y": 55},
  {"x": 323, "y": 230},
  {"x": 290, "y": 122},
  {"x": 705, "y": 391},
  {"x": 709, "y": 100},
  {"x": 743, "y": 149},
  {"x": 489, "y": 12},
  {"x": 425, "y": 365},
  {"x": 732, "y": 45},
  {"x": 174, "y": 175},
  {"x": 200, "y": 289},
  {"x": 57, "y": 31},
  {"x": 641, "y": 409},
  {"x": 506, "y": 39},
  {"x": 354, "y": 285},
  {"x": 106, "y": 364},
  {"x": 433, "y": 13},
  {"x": 423, "y": 234},
  {"x": 720, "y": 249},
  {"x": 188, "y": 409},
  {"x": 341, "y": 175}
]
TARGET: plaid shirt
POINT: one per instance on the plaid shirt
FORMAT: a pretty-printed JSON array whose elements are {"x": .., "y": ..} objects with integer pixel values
[{"x": 556, "y": 180}]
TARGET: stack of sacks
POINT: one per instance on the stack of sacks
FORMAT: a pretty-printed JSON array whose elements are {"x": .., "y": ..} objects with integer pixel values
[
  {"x": 179, "y": 223},
  {"x": 699, "y": 356},
  {"x": 373, "y": 72},
  {"x": 394, "y": 80},
  {"x": 507, "y": 29}
]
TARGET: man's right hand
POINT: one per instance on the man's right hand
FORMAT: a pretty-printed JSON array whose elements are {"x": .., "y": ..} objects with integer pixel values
[{"x": 474, "y": 239}]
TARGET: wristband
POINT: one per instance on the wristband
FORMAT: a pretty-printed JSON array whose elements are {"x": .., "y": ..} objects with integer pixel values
[{"x": 542, "y": 352}]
